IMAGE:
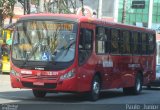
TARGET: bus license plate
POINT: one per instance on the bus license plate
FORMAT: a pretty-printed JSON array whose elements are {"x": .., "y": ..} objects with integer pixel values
[{"x": 38, "y": 83}]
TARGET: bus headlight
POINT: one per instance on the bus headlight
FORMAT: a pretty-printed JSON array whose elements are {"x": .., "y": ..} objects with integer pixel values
[
  {"x": 13, "y": 72},
  {"x": 68, "y": 75}
]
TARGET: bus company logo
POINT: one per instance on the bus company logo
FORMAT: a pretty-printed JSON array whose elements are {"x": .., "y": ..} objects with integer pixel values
[
  {"x": 52, "y": 73},
  {"x": 39, "y": 68},
  {"x": 26, "y": 72}
]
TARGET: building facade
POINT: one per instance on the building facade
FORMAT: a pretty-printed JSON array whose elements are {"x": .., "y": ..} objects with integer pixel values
[
  {"x": 140, "y": 16},
  {"x": 148, "y": 15}
]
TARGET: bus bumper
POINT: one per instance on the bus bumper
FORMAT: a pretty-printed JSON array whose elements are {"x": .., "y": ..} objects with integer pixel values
[{"x": 68, "y": 85}]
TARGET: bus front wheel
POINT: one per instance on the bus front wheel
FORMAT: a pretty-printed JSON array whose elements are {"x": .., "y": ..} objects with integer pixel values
[
  {"x": 39, "y": 94},
  {"x": 95, "y": 89}
]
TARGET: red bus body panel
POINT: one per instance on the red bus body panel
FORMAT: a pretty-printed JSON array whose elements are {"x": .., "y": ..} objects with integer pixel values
[{"x": 120, "y": 74}]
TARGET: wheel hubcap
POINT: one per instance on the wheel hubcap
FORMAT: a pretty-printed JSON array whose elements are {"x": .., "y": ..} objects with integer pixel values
[
  {"x": 96, "y": 87},
  {"x": 138, "y": 85}
]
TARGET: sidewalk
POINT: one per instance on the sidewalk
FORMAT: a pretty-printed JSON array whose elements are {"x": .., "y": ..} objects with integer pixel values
[
  {"x": 4, "y": 80},
  {"x": 4, "y": 77},
  {"x": 5, "y": 84}
]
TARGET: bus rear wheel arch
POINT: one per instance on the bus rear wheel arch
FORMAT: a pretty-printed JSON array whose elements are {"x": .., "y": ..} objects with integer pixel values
[{"x": 137, "y": 88}]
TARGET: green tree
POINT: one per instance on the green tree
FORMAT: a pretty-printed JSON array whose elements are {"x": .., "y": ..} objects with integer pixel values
[
  {"x": 11, "y": 4},
  {"x": 6, "y": 10},
  {"x": 1, "y": 15}
]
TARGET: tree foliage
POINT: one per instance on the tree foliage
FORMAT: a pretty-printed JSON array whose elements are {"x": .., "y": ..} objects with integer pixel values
[
  {"x": 57, "y": 6},
  {"x": 7, "y": 8}
]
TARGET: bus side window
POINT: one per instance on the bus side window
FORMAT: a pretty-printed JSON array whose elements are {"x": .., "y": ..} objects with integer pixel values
[
  {"x": 126, "y": 42},
  {"x": 144, "y": 43},
  {"x": 85, "y": 45},
  {"x": 151, "y": 43},
  {"x": 139, "y": 43},
  {"x": 108, "y": 40},
  {"x": 135, "y": 43},
  {"x": 101, "y": 40},
  {"x": 114, "y": 41}
]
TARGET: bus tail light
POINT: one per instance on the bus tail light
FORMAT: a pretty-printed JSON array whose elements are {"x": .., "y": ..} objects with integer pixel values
[{"x": 68, "y": 75}]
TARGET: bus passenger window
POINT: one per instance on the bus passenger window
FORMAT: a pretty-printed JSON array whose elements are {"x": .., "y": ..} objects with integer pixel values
[
  {"x": 126, "y": 42},
  {"x": 114, "y": 41},
  {"x": 135, "y": 43},
  {"x": 85, "y": 45},
  {"x": 151, "y": 43},
  {"x": 101, "y": 39},
  {"x": 144, "y": 43}
]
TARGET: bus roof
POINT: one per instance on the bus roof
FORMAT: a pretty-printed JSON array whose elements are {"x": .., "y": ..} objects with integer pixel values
[
  {"x": 49, "y": 16},
  {"x": 77, "y": 18}
]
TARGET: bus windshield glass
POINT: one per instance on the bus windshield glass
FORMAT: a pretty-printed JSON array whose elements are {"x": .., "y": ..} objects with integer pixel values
[{"x": 44, "y": 41}]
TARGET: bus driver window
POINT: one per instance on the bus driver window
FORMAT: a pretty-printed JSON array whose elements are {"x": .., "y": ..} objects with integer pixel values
[{"x": 85, "y": 45}]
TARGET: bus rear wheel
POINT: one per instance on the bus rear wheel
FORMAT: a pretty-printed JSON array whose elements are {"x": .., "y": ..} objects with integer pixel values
[
  {"x": 137, "y": 88},
  {"x": 39, "y": 93},
  {"x": 95, "y": 89}
]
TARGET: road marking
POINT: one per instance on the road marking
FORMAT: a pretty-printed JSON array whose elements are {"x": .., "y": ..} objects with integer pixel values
[{"x": 11, "y": 97}]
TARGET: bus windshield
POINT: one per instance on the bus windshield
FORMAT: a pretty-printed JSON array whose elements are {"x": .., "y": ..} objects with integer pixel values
[{"x": 44, "y": 41}]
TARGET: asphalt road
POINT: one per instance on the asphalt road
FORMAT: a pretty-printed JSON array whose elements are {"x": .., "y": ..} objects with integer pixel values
[{"x": 109, "y": 98}]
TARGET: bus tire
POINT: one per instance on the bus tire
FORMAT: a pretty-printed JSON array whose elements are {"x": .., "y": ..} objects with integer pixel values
[
  {"x": 39, "y": 93},
  {"x": 137, "y": 88},
  {"x": 95, "y": 89}
]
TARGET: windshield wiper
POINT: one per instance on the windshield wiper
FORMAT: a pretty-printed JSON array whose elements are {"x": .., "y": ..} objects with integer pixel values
[
  {"x": 69, "y": 46},
  {"x": 31, "y": 53}
]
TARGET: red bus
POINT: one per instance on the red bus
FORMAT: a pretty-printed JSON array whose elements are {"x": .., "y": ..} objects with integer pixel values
[{"x": 70, "y": 53}]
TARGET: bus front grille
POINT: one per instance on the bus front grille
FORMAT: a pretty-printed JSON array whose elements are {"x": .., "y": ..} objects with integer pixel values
[{"x": 44, "y": 77}]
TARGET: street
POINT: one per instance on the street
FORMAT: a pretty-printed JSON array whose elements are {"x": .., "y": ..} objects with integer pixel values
[{"x": 17, "y": 96}]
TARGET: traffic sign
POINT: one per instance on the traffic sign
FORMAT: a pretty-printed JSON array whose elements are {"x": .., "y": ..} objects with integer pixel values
[{"x": 138, "y": 4}]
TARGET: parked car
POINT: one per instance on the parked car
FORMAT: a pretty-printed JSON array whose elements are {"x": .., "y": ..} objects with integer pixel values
[{"x": 157, "y": 81}]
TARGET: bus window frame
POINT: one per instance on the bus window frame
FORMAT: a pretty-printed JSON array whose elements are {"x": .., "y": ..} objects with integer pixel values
[
  {"x": 153, "y": 44},
  {"x": 138, "y": 43},
  {"x": 119, "y": 34},
  {"x": 143, "y": 43},
  {"x": 106, "y": 42},
  {"x": 32, "y": 63},
  {"x": 91, "y": 49},
  {"x": 129, "y": 43}
]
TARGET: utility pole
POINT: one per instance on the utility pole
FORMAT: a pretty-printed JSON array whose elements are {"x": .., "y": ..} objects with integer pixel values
[
  {"x": 41, "y": 6},
  {"x": 116, "y": 5},
  {"x": 150, "y": 13},
  {"x": 100, "y": 9},
  {"x": 124, "y": 11}
]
